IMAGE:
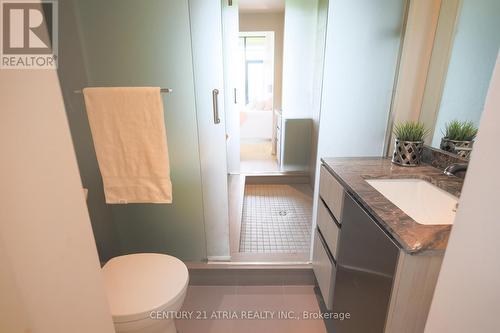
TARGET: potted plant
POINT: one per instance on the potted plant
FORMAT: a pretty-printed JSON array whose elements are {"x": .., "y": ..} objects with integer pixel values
[
  {"x": 459, "y": 137},
  {"x": 409, "y": 143}
]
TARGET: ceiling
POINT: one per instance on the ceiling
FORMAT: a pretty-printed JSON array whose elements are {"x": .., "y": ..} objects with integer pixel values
[{"x": 261, "y": 6}]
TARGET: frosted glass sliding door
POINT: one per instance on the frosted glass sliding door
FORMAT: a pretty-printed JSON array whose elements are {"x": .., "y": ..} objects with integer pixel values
[{"x": 206, "y": 34}]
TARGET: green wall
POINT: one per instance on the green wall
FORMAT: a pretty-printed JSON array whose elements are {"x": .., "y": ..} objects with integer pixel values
[
  {"x": 146, "y": 43},
  {"x": 73, "y": 76}
]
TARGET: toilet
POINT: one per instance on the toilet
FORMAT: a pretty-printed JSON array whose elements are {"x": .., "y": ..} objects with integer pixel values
[{"x": 144, "y": 290}]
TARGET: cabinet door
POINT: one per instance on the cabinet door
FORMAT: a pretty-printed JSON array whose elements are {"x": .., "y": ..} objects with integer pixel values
[
  {"x": 324, "y": 269},
  {"x": 366, "y": 265}
]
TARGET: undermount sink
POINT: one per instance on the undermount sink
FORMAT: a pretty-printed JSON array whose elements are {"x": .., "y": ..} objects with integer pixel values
[{"x": 419, "y": 199}]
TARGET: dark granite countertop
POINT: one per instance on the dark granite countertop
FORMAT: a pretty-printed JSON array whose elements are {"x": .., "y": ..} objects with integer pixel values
[{"x": 413, "y": 237}]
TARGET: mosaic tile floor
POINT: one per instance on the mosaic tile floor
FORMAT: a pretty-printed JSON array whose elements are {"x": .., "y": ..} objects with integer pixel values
[{"x": 276, "y": 218}]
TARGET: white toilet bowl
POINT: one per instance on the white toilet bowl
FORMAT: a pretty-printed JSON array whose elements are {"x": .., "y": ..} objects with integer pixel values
[{"x": 144, "y": 291}]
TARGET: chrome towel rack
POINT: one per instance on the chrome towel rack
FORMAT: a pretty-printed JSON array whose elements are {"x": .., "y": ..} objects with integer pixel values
[{"x": 163, "y": 90}]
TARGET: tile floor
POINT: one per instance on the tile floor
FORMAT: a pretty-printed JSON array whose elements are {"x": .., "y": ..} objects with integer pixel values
[
  {"x": 221, "y": 302},
  {"x": 276, "y": 218}
]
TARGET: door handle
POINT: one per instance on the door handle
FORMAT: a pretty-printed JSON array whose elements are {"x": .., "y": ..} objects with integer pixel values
[
  {"x": 235, "y": 97},
  {"x": 215, "y": 105}
]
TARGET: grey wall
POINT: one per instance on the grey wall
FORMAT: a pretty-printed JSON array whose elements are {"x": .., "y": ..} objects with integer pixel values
[
  {"x": 317, "y": 89},
  {"x": 299, "y": 48},
  {"x": 73, "y": 76},
  {"x": 304, "y": 52},
  {"x": 362, "y": 47},
  {"x": 138, "y": 43}
]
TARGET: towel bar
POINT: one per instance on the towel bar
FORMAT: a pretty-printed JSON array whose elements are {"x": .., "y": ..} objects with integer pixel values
[{"x": 163, "y": 90}]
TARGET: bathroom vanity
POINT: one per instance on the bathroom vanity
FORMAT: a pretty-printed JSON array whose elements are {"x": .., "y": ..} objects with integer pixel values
[{"x": 371, "y": 258}]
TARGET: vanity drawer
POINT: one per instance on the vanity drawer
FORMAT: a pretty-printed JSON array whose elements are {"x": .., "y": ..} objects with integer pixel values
[
  {"x": 328, "y": 227},
  {"x": 331, "y": 192},
  {"x": 324, "y": 269}
]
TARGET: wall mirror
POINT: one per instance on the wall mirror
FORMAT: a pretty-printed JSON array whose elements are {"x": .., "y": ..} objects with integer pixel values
[{"x": 464, "y": 52}]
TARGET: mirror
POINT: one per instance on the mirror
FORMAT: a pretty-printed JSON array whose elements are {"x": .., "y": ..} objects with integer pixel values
[{"x": 465, "y": 49}]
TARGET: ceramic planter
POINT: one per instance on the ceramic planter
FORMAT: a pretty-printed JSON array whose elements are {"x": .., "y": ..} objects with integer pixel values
[{"x": 407, "y": 153}]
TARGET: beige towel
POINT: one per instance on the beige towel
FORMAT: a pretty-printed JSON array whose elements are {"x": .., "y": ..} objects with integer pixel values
[{"x": 130, "y": 141}]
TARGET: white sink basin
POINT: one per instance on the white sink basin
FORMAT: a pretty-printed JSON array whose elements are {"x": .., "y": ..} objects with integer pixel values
[{"x": 421, "y": 200}]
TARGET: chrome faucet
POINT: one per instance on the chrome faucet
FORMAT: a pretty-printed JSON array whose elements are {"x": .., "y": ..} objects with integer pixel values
[{"x": 452, "y": 169}]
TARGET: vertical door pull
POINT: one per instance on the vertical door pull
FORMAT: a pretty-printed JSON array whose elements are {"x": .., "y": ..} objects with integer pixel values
[
  {"x": 235, "y": 97},
  {"x": 215, "y": 105}
]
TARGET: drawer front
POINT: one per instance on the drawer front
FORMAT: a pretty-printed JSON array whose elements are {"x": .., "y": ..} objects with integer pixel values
[
  {"x": 324, "y": 270},
  {"x": 331, "y": 192},
  {"x": 328, "y": 228}
]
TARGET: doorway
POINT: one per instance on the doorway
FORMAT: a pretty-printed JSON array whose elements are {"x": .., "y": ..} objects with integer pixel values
[
  {"x": 271, "y": 149},
  {"x": 257, "y": 111}
]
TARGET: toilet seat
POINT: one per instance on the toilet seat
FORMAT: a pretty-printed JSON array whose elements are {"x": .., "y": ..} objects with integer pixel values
[{"x": 137, "y": 284}]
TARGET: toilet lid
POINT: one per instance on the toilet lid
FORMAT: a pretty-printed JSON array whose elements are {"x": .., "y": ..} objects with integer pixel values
[{"x": 137, "y": 284}]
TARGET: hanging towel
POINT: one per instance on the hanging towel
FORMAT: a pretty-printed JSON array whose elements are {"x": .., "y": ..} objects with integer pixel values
[{"x": 130, "y": 141}]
